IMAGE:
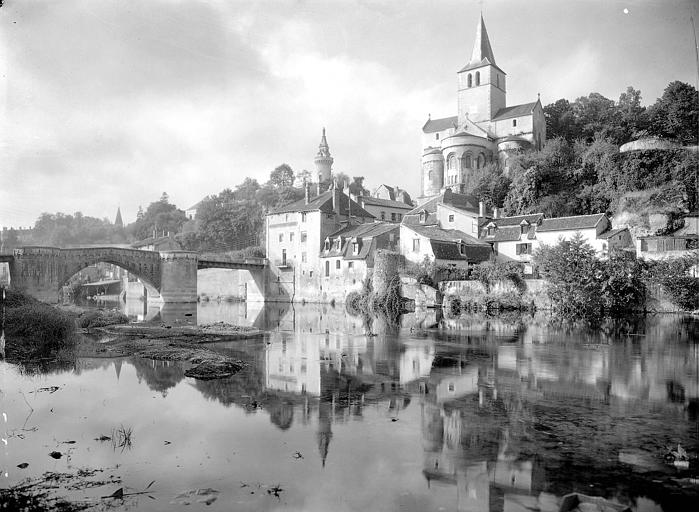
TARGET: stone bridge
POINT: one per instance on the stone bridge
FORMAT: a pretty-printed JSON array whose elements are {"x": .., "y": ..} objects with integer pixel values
[{"x": 169, "y": 276}]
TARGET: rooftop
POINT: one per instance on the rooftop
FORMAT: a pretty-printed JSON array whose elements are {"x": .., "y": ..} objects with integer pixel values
[
  {"x": 438, "y": 125},
  {"x": 514, "y": 111},
  {"x": 571, "y": 223},
  {"x": 323, "y": 202},
  {"x": 384, "y": 202}
]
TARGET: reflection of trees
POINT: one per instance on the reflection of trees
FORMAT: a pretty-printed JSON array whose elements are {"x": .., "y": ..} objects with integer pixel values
[{"x": 159, "y": 375}]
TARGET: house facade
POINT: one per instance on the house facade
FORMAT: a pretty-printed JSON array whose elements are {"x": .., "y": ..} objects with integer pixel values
[
  {"x": 347, "y": 256},
  {"x": 296, "y": 234},
  {"x": 444, "y": 247}
]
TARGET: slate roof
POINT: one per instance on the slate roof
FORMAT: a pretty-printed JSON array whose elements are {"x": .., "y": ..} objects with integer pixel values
[
  {"x": 438, "y": 125},
  {"x": 571, "y": 223},
  {"x": 385, "y": 202},
  {"x": 452, "y": 251},
  {"x": 324, "y": 203},
  {"x": 459, "y": 201},
  {"x": 514, "y": 111},
  {"x": 365, "y": 232},
  {"x": 611, "y": 232},
  {"x": 505, "y": 234}
]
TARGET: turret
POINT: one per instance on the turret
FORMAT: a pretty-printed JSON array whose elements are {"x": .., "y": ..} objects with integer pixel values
[{"x": 323, "y": 160}]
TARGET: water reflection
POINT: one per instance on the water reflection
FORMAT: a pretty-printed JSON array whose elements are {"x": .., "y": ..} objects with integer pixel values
[{"x": 485, "y": 414}]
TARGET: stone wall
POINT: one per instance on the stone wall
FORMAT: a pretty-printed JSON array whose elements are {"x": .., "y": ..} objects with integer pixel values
[
  {"x": 222, "y": 284},
  {"x": 474, "y": 289}
]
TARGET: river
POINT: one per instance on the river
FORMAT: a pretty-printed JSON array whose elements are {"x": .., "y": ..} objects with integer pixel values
[{"x": 336, "y": 413}]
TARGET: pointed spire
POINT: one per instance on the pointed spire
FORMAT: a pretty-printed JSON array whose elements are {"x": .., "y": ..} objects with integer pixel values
[
  {"x": 323, "y": 148},
  {"x": 482, "y": 50},
  {"x": 117, "y": 221}
]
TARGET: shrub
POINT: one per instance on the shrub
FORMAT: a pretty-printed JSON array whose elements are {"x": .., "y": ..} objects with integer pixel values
[
  {"x": 455, "y": 306},
  {"x": 673, "y": 276},
  {"x": 489, "y": 273},
  {"x": 93, "y": 319},
  {"x": 39, "y": 324}
]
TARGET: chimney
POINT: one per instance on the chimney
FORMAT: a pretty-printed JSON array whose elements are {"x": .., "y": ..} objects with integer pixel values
[
  {"x": 336, "y": 198},
  {"x": 496, "y": 213},
  {"x": 481, "y": 209},
  {"x": 307, "y": 192},
  {"x": 318, "y": 188}
]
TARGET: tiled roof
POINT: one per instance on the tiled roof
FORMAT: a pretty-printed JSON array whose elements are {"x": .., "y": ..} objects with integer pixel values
[
  {"x": 323, "y": 202},
  {"x": 459, "y": 201},
  {"x": 571, "y": 223},
  {"x": 365, "y": 232},
  {"x": 438, "y": 125},
  {"x": 514, "y": 111},
  {"x": 385, "y": 202},
  {"x": 505, "y": 234},
  {"x": 517, "y": 220}
]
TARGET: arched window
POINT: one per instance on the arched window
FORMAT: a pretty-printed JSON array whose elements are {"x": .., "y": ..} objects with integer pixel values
[
  {"x": 478, "y": 78},
  {"x": 466, "y": 161},
  {"x": 451, "y": 162},
  {"x": 481, "y": 161},
  {"x": 429, "y": 175},
  {"x": 470, "y": 80}
]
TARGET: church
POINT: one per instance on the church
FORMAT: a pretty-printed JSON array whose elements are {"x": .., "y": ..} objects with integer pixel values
[{"x": 484, "y": 130}]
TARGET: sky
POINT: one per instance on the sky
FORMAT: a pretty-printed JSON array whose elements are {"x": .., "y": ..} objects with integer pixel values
[{"x": 107, "y": 104}]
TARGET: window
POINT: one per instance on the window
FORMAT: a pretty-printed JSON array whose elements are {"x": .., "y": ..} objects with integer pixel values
[
  {"x": 283, "y": 257},
  {"x": 338, "y": 244},
  {"x": 383, "y": 215},
  {"x": 281, "y": 237},
  {"x": 326, "y": 245},
  {"x": 350, "y": 264},
  {"x": 422, "y": 216},
  {"x": 451, "y": 162},
  {"x": 514, "y": 122},
  {"x": 304, "y": 258},
  {"x": 355, "y": 247},
  {"x": 466, "y": 161},
  {"x": 304, "y": 237},
  {"x": 436, "y": 136},
  {"x": 478, "y": 78},
  {"x": 429, "y": 175},
  {"x": 451, "y": 218},
  {"x": 523, "y": 229},
  {"x": 416, "y": 245},
  {"x": 286, "y": 218},
  {"x": 303, "y": 216},
  {"x": 327, "y": 268},
  {"x": 491, "y": 230},
  {"x": 524, "y": 248},
  {"x": 400, "y": 216},
  {"x": 481, "y": 160},
  {"x": 393, "y": 216},
  {"x": 470, "y": 80},
  {"x": 337, "y": 264},
  {"x": 291, "y": 237}
]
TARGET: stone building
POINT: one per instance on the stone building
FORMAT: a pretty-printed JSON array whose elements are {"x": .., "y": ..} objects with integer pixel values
[
  {"x": 485, "y": 128},
  {"x": 296, "y": 234}
]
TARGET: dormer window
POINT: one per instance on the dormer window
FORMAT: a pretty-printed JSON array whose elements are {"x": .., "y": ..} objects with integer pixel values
[
  {"x": 462, "y": 248},
  {"x": 338, "y": 244},
  {"x": 524, "y": 228},
  {"x": 491, "y": 230},
  {"x": 355, "y": 247},
  {"x": 422, "y": 217},
  {"x": 326, "y": 246}
]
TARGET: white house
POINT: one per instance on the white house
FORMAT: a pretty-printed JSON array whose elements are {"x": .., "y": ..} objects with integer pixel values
[{"x": 448, "y": 247}]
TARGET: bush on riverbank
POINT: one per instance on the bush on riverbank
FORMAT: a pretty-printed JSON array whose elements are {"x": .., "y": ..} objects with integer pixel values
[
  {"x": 39, "y": 325},
  {"x": 579, "y": 284},
  {"x": 93, "y": 319}
]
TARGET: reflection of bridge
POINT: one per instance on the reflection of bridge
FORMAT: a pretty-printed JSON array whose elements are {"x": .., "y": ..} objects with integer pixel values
[{"x": 170, "y": 275}]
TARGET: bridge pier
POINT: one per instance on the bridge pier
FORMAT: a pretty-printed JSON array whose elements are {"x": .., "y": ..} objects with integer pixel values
[
  {"x": 178, "y": 276},
  {"x": 38, "y": 272}
]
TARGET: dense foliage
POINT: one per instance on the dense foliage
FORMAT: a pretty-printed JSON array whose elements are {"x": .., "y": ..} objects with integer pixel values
[
  {"x": 161, "y": 217},
  {"x": 580, "y": 285},
  {"x": 35, "y": 325},
  {"x": 61, "y": 230}
]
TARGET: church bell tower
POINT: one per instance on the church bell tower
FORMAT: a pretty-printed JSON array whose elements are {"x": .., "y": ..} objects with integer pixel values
[{"x": 480, "y": 83}]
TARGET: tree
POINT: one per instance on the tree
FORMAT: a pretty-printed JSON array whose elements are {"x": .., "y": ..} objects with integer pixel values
[
  {"x": 226, "y": 223},
  {"x": 357, "y": 186},
  {"x": 574, "y": 276},
  {"x": 632, "y": 120},
  {"x": 247, "y": 189},
  {"x": 160, "y": 217},
  {"x": 675, "y": 115},
  {"x": 489, "y": 184},
  {"x": 561, "y": 121},
  {"x": 282, "y": 177}
]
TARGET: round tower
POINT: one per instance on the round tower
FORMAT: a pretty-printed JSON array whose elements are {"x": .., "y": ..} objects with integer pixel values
[
  {"x": 432, "y": 172},
  {"x": 323, "y": 160}
]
